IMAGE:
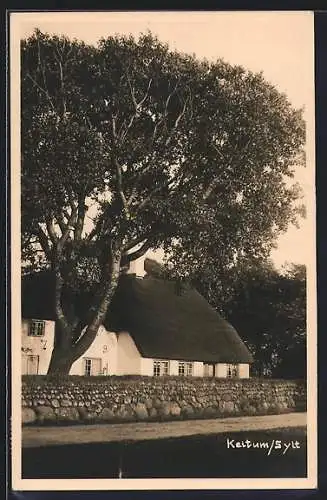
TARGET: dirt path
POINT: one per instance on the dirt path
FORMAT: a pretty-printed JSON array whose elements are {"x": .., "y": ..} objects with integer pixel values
[{"x": 41, "y": 436}]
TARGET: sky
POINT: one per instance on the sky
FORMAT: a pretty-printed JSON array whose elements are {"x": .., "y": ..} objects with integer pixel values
[{"x": 278, "y": 43}]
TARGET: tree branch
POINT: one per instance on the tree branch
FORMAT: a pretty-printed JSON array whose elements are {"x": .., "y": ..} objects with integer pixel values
[
  {"x": 45, "y": 90},
  {"x": 70, "y": 227},
  {"x": 156, "y": 190},
  {"x": 44, "y": 242},
  {"x": 61, "y": 223},
  {"x": 136, "y": 241},
  {"x": 58, "y": 58},
  {"x": 41, "y": 90},
  {"x": 137, "y": 106},
  {"x": 178, "y": 119},
  {"x": 88, "y": 337},
  {"x": 80, "y": 219},
  {"x": 120, "y": 189},
  {"x": 132, "y": 94},
  {"x": 61, "y": 318},
  {"x": 129, "y": 257},
  {"x": 170, "y": 96},
  {"x": 51, "y": 231}
]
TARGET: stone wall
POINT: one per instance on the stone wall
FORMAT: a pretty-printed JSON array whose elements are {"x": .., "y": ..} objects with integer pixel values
[{"x": 116, "y": 399}]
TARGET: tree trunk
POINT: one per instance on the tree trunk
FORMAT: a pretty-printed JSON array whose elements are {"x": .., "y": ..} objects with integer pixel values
[
  {"x": 64, "y": 351},
  {"x": 61, "y": 361}
]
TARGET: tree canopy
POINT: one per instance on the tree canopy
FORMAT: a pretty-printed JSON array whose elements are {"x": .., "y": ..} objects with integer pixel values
[
  {"x": 127, "y": 146},
  {"x": 269, "y": 308}
]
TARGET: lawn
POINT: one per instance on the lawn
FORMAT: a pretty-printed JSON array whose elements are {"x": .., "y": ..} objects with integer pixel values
[{"x": 273, "y": 454}]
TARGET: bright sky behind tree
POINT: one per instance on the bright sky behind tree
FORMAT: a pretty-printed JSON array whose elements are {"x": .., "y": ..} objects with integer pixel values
[{"x": 280, "y": 44}]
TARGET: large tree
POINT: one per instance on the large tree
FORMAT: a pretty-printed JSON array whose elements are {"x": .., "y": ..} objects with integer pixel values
[
  {"x": 128, "y": 146},
  {"x": 268, "y": 308}
]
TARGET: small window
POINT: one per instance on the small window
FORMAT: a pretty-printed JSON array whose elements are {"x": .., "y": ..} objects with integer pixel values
[
  {"x": 88, "y": 366},
  {"x": 160, "y": 368},
  {"x": 92, "y": 366},
  {"x": 189, "y": 369},
  {"x": 232, "y": 371},
  {"x": 181, "y": 369},
  {"x": 36, "y": 328},
  {"x": 30, "y": 364},
  {"x": 185, "y": 369},
  {"x": 208, "y": 370}
]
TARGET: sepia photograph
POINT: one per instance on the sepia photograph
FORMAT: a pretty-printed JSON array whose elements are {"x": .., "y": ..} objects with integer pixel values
[{"x": 163, "y": 250}]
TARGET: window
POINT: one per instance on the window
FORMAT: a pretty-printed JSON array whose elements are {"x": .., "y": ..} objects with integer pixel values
[
  {"x": 160, "y": 368},
  {"x": 208, "y": 370},
  {"x": 30, "y": 364},
  {"x": 189, "y": 369},
  {"x": 232, "y": 371},
  {"x": 36, "y": 328},
  {"x": 88, "y": 366},
  {"x": 92, "y": 366},
  {"x": 185, "y": 369}
]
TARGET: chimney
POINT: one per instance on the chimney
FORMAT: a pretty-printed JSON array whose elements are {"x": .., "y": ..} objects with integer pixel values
[{"x": 136, "y": 267}]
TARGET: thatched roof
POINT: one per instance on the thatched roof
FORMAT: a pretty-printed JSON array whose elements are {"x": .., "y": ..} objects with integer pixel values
[
  {"x": 167, "y": 324},
  {"x": 163, "y": 322}
]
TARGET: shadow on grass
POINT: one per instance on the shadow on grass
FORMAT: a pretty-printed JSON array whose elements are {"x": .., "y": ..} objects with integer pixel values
[{"x": 195, "y": 456}]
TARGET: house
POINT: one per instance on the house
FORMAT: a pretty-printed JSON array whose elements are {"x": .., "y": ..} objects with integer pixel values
[{"x": 152, "y": 329}]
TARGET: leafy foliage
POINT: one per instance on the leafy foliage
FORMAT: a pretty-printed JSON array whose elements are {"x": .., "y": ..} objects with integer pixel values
[
  {"x": 129, "y": 146},
  {"x": 268, "y": 307}
]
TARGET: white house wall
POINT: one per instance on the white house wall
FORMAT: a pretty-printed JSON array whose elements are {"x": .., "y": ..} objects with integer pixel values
[
  {"x": 221, "y": 370},
  {"x": 173, "y": 367},
  {"x": 198, "y": 369},
  {"x": 244, "y": 370},
  {"x": 104, "y": 347},
  {"x": 147, "y": 366},
  {"x": 118, "y": 354},
  {"x": 128, "y": 356},
  {"x": 37, "y": 346}
]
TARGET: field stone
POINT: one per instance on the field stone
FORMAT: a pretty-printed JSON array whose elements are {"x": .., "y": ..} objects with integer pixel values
[
  {"x": 175, "y": 410},
  {"x": 67, "y": 414},
  {"x": 187, "y": 410},
  {"x": 28, "y": 416},
  {"x": 228, "y": 407},
  {"x": 227, "y": 396},
  {"x": 210, "y": 411},
  {"x": 45, "y": 413},
  {"x": 164, "y": 409},
  {"x": 251, "y": 410},
  {"x": 156, "y": 402},
  {"x": 161, "y": 399},
  {"x": 66, "y": 402},
  {"x": 263, "y": 406},
  {"x": 55, "y": 403},
  {"x": 153, "y": 412},
  {"x": 141, "y": 411},
  {"x": 83, "y": 413},
  {"x": 148, "y": 404},
  {"x": 125, "y": 413}
]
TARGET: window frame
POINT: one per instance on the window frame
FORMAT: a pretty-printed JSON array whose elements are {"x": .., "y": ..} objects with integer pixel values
[
  {"x": 161, "y": 367},
  {"x": 87, "y": 367},
  {"x": 185, "y": 368},
  {"x": 89, "y": 362},
  {"x": 27, "y": 360},
  {"x": 232, "y": 370},
  {"x": 35, "y": 325}
]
